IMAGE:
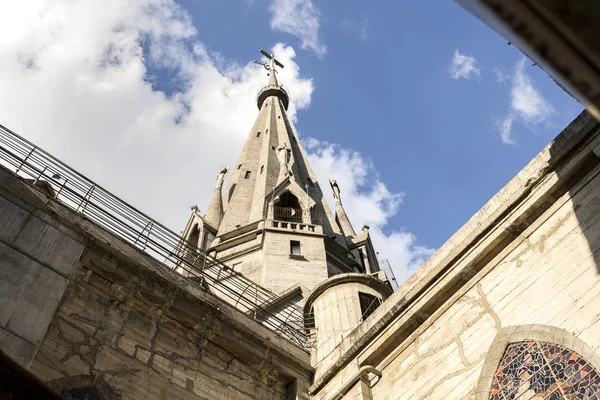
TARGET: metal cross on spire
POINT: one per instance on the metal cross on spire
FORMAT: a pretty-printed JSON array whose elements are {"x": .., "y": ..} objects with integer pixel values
[{"x": 269, "y": 66}]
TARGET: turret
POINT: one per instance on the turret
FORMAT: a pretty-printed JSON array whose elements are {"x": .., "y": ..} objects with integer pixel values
[{"x": 338, "y": 305}]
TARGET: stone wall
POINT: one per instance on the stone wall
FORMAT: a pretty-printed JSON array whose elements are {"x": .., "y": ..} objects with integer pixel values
[
  {"x": 282, "y": 271},
  {"x": 37, "y": 255},
  {"x": 527, "y": 266},
  {"x": 106, "y": 315},
  {"x": 148, "y": 341}
]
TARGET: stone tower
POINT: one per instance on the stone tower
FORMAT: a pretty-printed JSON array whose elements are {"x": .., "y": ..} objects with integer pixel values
[{"x": 271, "y": 222}]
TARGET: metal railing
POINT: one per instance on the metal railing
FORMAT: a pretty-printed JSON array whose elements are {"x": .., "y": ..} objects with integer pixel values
[
  {"x": 136, "y": 228},
  {"x": 389, "y": 273},
  {"x": 296, "y": 215}
]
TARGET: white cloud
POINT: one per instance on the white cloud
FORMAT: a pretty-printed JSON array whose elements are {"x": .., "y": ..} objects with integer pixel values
[
  {"x": 501, "y": 75},
  {"x": 299, "y": 18},
  {"x": 73, "y": 79},
  {"x": 367, "y": 201},
  {"x": 462, "y": 66},
  {"x": 526, "y": 104}
]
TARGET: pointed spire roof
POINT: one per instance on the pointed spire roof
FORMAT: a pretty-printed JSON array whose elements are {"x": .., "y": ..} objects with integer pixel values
[
  {"x": 340, "y": 214},
  {"x": 271, "y": 164},
  {"x": 214, "y": 214}
]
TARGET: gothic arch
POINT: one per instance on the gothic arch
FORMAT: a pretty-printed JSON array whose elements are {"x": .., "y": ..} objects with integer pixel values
[
  {"x": 193, "y": 238},
  {"x": 524, "y": 333}
]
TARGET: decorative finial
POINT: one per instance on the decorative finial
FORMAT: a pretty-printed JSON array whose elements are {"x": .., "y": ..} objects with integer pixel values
[
  {"x": 221, "y": 177},
  {"x": 336, "y": 191},
  {"x": 269, "y": 66}
]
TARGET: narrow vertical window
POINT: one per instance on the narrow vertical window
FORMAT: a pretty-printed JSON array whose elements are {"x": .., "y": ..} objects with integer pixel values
[
  {"x": 239, "y": 166},
  {"x": 247, "y": 175},
  {"x": 257, "y": 134},
  {"x": 295, "y": 248},
  {"x": 262, "y": 168}
]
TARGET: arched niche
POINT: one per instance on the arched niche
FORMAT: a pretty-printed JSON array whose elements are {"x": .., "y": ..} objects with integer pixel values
[
  {"x": 287, "y": 207},
  {"x": 538, "y": 362},
  {"x": 287, "y": 199}
]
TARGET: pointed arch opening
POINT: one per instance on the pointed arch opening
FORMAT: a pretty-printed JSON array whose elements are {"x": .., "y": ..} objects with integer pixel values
[
  {"x": 536, "y": 361},
  {"x": 192, "y": 242},
  {"x": 288, "y": 208}
]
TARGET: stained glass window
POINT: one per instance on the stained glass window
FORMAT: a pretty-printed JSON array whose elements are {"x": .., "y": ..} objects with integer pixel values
[{"x": 541, "y": 370}]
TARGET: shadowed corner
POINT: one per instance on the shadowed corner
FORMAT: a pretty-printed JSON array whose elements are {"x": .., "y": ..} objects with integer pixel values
[
  {"x": 575, "y": 159},
  {"x": 19, "y": 383}
]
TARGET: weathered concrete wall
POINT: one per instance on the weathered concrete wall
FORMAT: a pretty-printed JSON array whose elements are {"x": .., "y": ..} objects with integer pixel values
[
  {"x": 551, "y": 278},
  {"x": 282, "y": 271},
  {"x": 148, "y": 341},
  {"x": 37, "y": 255},
  {"x": 528, "y": 262},
  {"x": 109, "y": 316}
]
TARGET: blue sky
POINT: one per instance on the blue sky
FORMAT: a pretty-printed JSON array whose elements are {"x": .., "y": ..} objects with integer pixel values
[
  {"x": 383, "y": 88},
  {"x": 420, "y": 111}
]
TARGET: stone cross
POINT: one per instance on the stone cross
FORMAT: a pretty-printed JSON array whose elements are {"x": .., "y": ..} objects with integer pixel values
[{"x": 269, "y": 66}]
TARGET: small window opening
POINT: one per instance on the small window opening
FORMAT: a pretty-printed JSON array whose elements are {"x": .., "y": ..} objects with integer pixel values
[
  {"x": 257, "y": 134},
  {"x": 295, "y": 248},
  {"x": 267, "y": 132},
  {"x": 273, "y": 147},
  {"x": 262, "y": 168},
  {"x": 368, "y": 304},
  {"x": 247, "y": 175},
  {"x": 239, "y": 166}
]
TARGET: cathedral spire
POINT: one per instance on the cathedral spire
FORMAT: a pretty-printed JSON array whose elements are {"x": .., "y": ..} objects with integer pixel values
[
  {"x": 214, "y": 214},
  {"x": 340, "y": 214},
  {"x": 271, "y": 221}
]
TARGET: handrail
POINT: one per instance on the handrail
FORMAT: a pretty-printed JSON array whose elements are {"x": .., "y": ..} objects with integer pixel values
[
  {"x": 296, "y": 215},
  {"x": 81, "y": 194}
]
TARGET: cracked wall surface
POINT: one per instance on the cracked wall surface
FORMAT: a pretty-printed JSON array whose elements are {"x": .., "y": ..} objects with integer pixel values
[
  {"x": 545, "y": 272},
  {"x": 84, "y": 308},
  {"x": 138, "y": 341},
  {"x": 551, "y": 278}
]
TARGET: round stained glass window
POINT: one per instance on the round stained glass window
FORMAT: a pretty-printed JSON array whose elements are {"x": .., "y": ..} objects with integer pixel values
[{"x": 541, "y": 370}]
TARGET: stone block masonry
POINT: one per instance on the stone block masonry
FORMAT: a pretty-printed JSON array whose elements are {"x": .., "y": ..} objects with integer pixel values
[
  {"x": 150, "y": 344},
  {"x": 84, "y": 309},
  {"x": 37, "y": 256}
]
